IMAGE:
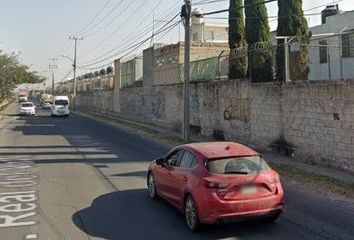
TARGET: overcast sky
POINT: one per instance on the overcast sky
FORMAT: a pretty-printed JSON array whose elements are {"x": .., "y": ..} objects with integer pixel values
[{"x": 39, "y": 29}]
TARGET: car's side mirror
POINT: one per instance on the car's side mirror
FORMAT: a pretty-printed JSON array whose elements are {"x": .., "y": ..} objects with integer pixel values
[{"x": 160, "y": 161}]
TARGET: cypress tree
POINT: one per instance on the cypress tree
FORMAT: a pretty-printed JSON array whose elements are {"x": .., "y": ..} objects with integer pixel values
[
  {"x": 291, "y": 22},
  {"x": 257, "y": 30},
  {"x": 237, "y": 40}
]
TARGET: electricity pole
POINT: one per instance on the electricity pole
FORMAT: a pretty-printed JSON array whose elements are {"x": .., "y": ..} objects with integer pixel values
[
  {"x": 186, "y": 16},
  {"x": 74, "y": 65},
  {"x": 52, "y": 67}
]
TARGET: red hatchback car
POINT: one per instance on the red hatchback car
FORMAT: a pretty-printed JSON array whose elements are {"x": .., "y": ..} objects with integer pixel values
[{"x": 216, "y": 182}]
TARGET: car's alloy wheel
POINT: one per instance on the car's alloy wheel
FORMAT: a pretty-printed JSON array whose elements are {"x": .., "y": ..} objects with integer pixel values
[
  {"x": 191, "y": 214},
  {"x": 151, "y": 186}
]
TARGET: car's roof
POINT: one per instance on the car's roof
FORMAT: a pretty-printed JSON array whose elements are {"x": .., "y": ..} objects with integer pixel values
[
  {"x": 60, "y": 98},
  {"x": 27, "y": 103},
  {"x": 221, "y": 149}
]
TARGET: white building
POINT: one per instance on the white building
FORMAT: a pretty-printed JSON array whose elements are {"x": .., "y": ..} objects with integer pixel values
[
  {"x": 207, "y": 32},
  {"x": 331, "y": 49}
]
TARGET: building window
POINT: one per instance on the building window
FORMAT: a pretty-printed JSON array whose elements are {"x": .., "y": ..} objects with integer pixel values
[
  {"x": 348, "y": 45},
  {"x": 323, "y": 51}
]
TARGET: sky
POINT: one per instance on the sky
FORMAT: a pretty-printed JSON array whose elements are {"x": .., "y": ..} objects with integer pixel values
[{"x": 40, "y": 29}]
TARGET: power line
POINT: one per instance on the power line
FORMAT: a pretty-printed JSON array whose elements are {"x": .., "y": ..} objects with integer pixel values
[
  {"x": 131, "y": 48},
  {"x": 115, "y": 18},
  {"x": 94, "y": 18},
  {"x": 244, "y": 6},
  {"x": 323, "y": 5},
  {"x": 275, "y": 17},
  {"x": 102, "y": 19},
  {"x": 207, "y": 2},
  {"x": 104, "y": 55},
  {"x": 127, "y": 39},
  {"x": 67, "y": 75}
]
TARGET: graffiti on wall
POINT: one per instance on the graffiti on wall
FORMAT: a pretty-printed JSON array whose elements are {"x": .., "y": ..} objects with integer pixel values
[
  {"x": 238, "y": 109},
  {"x": 158, "y": 105}
]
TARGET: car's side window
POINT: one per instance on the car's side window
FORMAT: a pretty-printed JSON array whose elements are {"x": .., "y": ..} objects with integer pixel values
[
  {"x": 174, "y": 159},
  {"x": 188, "y": 160}
]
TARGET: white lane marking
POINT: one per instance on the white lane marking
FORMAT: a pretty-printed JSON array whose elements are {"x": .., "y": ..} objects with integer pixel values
[
  {"x": 31, "y": 236},
  {"x": 12, "y": 193}
]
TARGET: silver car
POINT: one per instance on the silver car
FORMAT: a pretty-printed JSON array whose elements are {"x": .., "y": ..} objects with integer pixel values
[{"x": 27, "y": 108}]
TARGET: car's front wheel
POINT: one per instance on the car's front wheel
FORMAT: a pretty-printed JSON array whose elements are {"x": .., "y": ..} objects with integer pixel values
[
  {"x": 191, "y": 214},
  {"x": 151, "y": 186}
]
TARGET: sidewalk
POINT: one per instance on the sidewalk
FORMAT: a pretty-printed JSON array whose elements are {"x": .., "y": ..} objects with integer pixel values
[
  {"x": 271, "y": 157},
  {"x": 339, "y": 175}
]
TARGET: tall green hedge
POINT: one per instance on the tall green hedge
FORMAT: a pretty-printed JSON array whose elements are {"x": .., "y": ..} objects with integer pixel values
[
  {"x": 291, "y": 22},
  {"x": 257, "y": 30},
  {"x": 237, "y": 39}
]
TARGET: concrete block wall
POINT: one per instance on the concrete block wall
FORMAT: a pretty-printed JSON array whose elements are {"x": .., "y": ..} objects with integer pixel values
[
  {"x": 96, "y": 100},
  {"x": 316, "y": 119},
  {"x": 319, "y": 120}
]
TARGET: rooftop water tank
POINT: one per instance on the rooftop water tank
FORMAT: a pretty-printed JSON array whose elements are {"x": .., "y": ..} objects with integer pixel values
[
  {"x": 197, "y": 16},
  {"x": 330, "y": 10}
]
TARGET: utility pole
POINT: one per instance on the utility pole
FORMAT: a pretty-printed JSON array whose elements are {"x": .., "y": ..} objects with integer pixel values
[
  {"x": 52, "y": 67},
  {"x": 153, "y": 30},
  {"x": 186, "y": 16},
  {"x": 74, "y": 65},
  {"x": 286, "y": 58}
]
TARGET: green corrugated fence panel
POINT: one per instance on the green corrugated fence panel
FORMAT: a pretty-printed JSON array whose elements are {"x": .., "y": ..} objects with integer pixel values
[
  {"x": 128, "y": 73},
  {"x": 203, "y": 70}
]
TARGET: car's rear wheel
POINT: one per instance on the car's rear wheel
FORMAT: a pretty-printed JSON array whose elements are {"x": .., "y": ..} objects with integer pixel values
[
  {"x": 151, "y": 186},
  {"x": 191, "y": 215}
]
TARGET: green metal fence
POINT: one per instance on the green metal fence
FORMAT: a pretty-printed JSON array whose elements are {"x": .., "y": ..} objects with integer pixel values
[
  {"x": 202, "y": 70},
  {"x": 127, "y": 73}
]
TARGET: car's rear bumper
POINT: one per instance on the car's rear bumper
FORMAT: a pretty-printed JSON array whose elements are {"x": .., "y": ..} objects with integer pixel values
[
  {"x": 27, "y": 113},
  {"x": 59, "y": 113},
  {"x": 215, "y": 210}
]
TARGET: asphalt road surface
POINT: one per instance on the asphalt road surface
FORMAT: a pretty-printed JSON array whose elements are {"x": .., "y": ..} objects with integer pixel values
[{"x": 75, "y": 178}]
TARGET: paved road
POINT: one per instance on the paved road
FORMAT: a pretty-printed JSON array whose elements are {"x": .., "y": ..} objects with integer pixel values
[{"x": 75, "y": 178}]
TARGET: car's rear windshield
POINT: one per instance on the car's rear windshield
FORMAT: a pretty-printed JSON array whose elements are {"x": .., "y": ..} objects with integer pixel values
[
  {"x": 27, "y": 105},
  {"x": 237, "y": 165},
  {"x": 61, "y": 102}
]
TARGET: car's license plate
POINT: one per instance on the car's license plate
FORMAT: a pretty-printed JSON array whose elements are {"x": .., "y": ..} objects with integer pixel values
[{"x": 248, "y": 189}]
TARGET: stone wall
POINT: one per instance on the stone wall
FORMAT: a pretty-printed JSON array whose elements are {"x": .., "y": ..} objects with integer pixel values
[
  {"x": 96, "y": 100},
  {"x": 313, "y": 121}
]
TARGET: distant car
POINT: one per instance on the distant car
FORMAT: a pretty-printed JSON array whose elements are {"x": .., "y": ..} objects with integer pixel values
[
  {"x": 27, "y": 108},
  {"x": 46, "y": 105},
  {"x": 60, "y": 106},
  {"x": 216, "y": 182},
  {"x": 22, "y": 99}
]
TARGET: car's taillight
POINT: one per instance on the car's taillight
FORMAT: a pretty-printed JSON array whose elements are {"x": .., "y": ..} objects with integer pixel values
[
  {"x": 274, "y": 179},
  {"x": 214, "y": 184}
]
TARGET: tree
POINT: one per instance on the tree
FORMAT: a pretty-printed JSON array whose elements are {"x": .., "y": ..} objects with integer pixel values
[
  {"x": 257, "y": 30},
  {"x": 237, "y": 41},
  {"x": 109, "y": 70},
  {"x": 13, "y": 73},
  {"x": 292, "y": 23},
  {"x": 103, "y": 72}
]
